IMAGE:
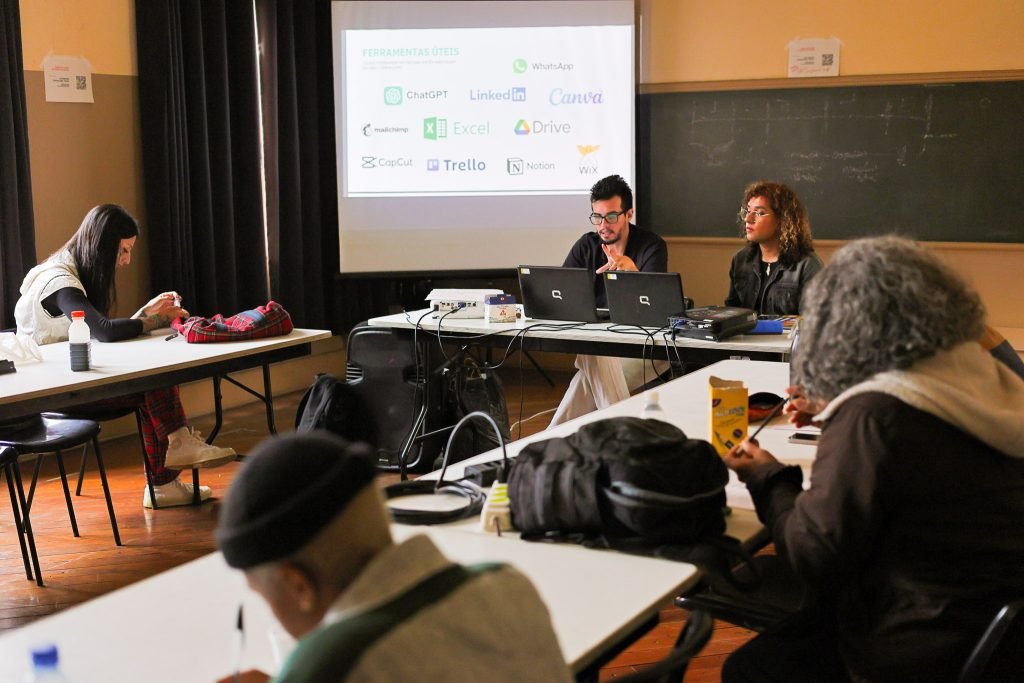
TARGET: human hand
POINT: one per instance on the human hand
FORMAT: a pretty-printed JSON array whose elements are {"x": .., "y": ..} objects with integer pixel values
[
  {"x": 747, "y": 456},
  {"x": 616, "y": 259},
  {"x": 163, "y": 319},
  {"x": 801, "y": 408},
  {"x": 250, "y": 676},
  {"x": 159, "y": 303}
]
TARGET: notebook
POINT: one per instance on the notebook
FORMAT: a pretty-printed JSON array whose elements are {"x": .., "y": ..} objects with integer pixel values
[
  {"x": 644, "y": 299},
  {"x": 551, "y": 293}
]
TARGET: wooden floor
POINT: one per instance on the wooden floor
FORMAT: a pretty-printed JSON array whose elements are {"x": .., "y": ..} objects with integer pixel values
[{"x": 78, "y": 569}]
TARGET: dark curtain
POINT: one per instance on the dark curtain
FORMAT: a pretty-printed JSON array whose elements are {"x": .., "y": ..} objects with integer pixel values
[
  {"x": 298, "y": 112},
  {"x": 17, "y": 228},
  {"x": 200, "y": 121}
]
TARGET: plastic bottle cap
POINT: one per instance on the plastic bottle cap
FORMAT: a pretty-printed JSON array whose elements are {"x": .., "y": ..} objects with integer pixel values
[
  {"x": 77, "y": 314},
  {"x": 44, "y": 656}
]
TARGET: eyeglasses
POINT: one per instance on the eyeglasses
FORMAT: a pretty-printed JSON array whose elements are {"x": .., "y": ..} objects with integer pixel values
[
  {"x": 611, "y": 217},
  {"x": 759, "y": 213}
]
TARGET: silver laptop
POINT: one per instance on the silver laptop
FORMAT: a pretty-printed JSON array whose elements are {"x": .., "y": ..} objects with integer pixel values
[
  {"x": 644, "y": 299},
  {"x": 551, "y": 293}
]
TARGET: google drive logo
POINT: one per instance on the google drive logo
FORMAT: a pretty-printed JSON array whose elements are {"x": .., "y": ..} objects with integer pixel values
[{"x": 522, "y": 127}]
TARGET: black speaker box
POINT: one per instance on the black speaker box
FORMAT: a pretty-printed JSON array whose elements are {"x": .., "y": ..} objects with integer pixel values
[{"x": 382, "y": 367}]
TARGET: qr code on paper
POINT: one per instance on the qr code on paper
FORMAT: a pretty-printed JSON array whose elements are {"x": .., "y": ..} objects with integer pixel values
[
  {"x": 80, "y": 82},
  {"x": 826, "y": 60}
]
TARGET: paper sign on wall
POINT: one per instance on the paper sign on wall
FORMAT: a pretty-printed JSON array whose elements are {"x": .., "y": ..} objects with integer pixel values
[
  {"x": 810, "y": 57},
  {"x": 67, "y": 79}
]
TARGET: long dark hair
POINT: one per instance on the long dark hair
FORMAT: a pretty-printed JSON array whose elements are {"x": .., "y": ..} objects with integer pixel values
[{"x": 95, "y": 247}]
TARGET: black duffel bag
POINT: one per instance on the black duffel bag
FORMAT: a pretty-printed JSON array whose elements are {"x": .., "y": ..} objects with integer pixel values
[{"x": 620, "y": 478}]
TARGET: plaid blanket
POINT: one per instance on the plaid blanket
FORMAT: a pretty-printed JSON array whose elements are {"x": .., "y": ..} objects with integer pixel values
[{"x": 263, "y": 321}]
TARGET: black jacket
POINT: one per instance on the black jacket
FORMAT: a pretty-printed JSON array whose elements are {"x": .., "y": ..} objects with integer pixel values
[
  {"x": 910, "y": 536},
  {"x": 785, "y": 284}
]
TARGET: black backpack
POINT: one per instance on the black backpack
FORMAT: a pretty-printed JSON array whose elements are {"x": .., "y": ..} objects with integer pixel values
[
  {"x": 333, "y": 405},
  {"x": 622, "y": 478}
]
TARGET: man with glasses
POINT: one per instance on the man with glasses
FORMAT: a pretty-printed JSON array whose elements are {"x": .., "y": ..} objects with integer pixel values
[
  {"x": 614, "y": 244},
  {"x": 770, "y": 273}
]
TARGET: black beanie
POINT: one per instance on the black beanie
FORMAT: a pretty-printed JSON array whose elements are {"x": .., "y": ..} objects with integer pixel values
[{"x": 290, "y": 488}]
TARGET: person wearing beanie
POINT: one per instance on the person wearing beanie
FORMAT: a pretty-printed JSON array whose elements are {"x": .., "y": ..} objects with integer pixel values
[{"x": 306, "y": 523}]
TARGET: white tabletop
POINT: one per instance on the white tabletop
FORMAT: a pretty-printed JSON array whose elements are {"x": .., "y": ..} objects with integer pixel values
[
  {"x": 132, "y": 361},
  {"x": 581, "y": 332},
  {"x": 189, "y": 612},
  {"x": 685, "y": 403}
]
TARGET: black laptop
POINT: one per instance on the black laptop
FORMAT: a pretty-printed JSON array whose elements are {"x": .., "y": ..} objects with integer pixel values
[
  {"x": 644, "y": 299},
  {"x": 551, "y": 293}
]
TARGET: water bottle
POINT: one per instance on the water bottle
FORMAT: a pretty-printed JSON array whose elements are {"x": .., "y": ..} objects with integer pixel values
[
  {"x": 44, "y": 666},
  {"x": 652, "y": 409},
  {"x": 78, "y": 335}
]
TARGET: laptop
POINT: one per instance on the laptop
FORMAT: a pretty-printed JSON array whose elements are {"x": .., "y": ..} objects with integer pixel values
[
  {"x": 644, "y": 299},
  {"x": 551, "y": 293}
]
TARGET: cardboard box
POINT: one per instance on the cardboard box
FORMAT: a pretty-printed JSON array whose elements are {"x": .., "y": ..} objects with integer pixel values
[{"x": 728, "y": 403}]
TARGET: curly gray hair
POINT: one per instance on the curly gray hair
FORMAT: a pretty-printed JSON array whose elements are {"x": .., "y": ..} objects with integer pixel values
[{"x": 882, "y": 303}]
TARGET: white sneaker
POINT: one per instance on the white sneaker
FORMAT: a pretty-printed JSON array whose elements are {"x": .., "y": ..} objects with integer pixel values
[
  {"x": 186, "y": 450},
  {"x": 173, "y": 494}
]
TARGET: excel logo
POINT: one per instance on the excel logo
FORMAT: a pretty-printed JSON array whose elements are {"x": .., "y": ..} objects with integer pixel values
[
  {"x": 392, "y": 95},
  {"x": 435, "y": 128}
]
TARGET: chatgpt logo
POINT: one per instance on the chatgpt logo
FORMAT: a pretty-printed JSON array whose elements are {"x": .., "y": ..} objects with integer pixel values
[
  {"x": 519, "y": 66},
  {"x": 393, "y": 95},
  {"x": 435, "y": 128}
]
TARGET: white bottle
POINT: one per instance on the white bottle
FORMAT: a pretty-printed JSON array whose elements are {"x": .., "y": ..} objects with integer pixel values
[
  {"x": 78, "y": 336},
  {"x": 45, "y": 666},
  {"x": 652, "y": 409}
]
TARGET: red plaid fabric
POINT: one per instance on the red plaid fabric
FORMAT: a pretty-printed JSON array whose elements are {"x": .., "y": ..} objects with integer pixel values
[{"x": 263, "y": 321}]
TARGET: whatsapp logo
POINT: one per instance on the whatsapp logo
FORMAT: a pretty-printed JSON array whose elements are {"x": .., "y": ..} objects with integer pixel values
[{"x": 518, "y": 66}]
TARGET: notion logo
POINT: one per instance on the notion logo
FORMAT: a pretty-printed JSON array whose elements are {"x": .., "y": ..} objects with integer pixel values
[
  {"x": 543, "y": 127},
  {"x": 433, "y": 164},
  {"x": 558, "y": 97},
  {"x": 392, "y": 95},
  {"x": 514, "y": 166},
  {"x": 519, "y": 66},
  {"x": 517, "y": 166},
  {"x": 435, "y": 128}
]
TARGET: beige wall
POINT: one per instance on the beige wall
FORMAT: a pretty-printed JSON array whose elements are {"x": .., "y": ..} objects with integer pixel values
[{"x": 699, "y": 40}]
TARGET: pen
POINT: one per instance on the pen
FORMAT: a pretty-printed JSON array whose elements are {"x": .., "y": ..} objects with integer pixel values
[
  {"x": 771, "y": 416},
  {"x": 239, "y": 641}
]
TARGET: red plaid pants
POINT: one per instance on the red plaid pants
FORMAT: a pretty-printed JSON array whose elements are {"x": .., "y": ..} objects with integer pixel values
[{"x": 161, "y": 414}]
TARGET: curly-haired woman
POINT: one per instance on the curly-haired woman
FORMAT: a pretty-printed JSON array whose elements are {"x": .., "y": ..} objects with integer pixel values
[{"x": 770, "y": 273}]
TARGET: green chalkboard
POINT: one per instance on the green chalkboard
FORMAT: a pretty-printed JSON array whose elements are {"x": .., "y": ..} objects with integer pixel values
[{"x": 934, "y": 162}]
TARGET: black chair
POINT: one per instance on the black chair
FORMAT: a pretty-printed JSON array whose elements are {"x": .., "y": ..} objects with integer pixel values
[
  {"x": 691, "y": 640},
  {"x": 43, "y": 435},
  {"x": 999, "y": 653},
  {"x": 9, "y": 465},
  {"x": 101, "y": 414}
]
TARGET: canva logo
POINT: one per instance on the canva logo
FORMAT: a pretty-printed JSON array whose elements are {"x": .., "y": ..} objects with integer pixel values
[
  {"x": 542, "y": 127},
  {"x": 558, "y": 97},
  {"x": 392, "y": 95}
]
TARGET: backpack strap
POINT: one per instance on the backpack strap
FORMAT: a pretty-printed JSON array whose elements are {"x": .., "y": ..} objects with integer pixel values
[{"x": 331, "y": 653}]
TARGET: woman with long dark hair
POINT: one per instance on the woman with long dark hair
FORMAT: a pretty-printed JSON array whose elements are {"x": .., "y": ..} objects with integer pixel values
[{"x": 80, "y": 276}]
